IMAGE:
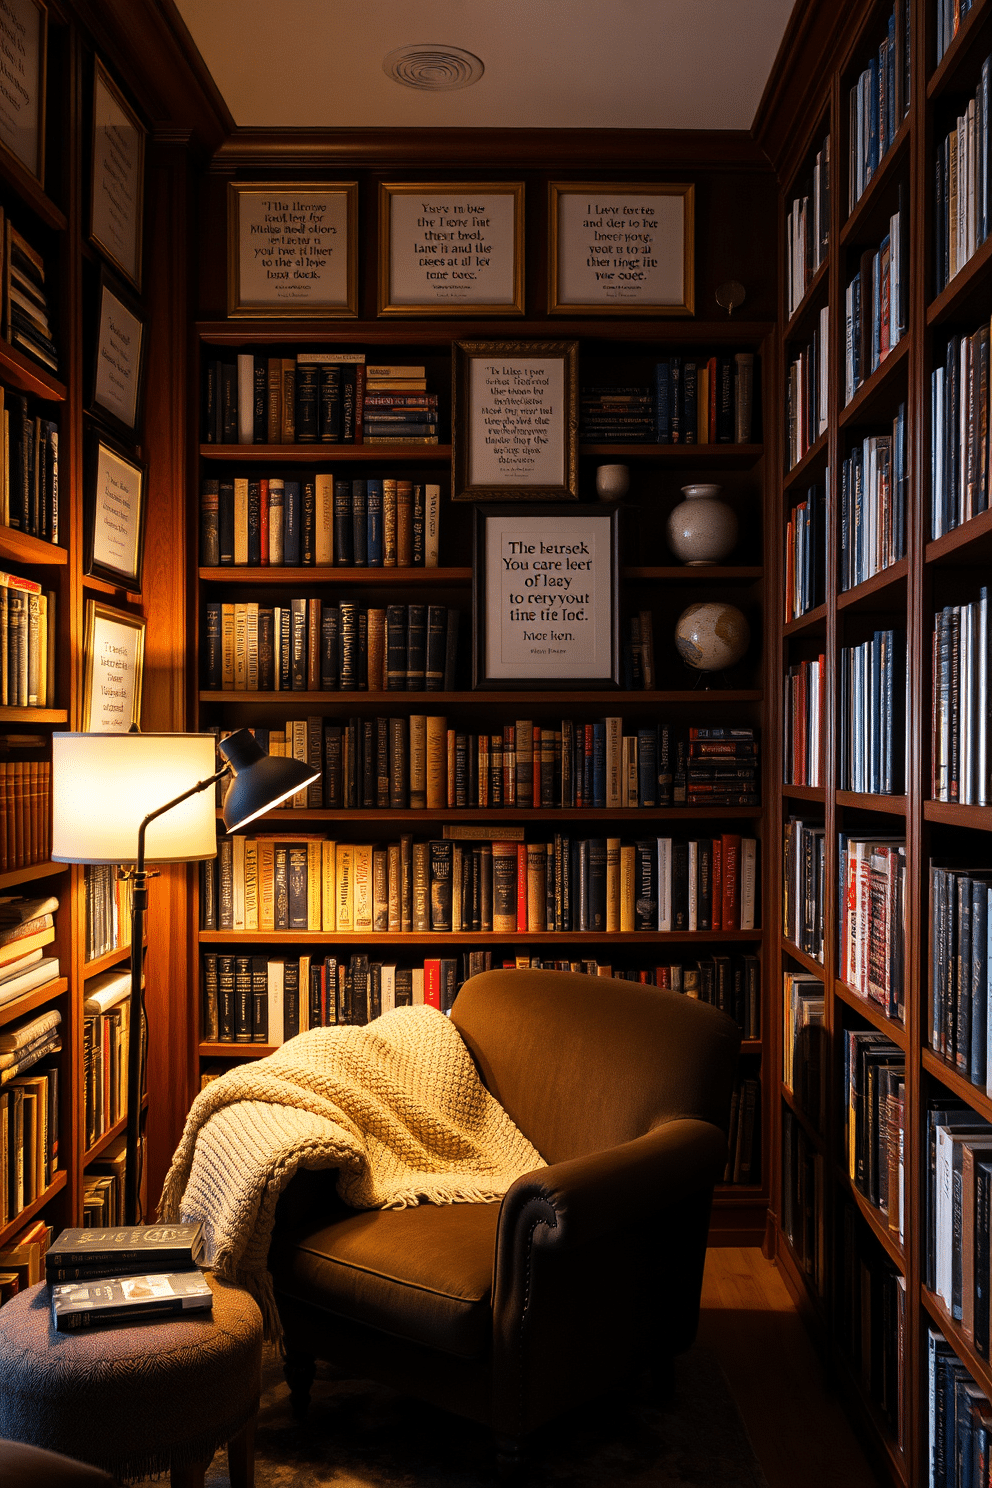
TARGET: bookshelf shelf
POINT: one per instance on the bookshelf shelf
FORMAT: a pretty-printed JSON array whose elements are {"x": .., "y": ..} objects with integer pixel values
[
  {"x": 862, "y": 801},
  {"x": 21, "y": 547},
  {"x": 333, "y": 701},
  {"x": 404, "y": 577},
  {"x": 350, "y": 334},
  {"x": 324, "y": 454},
  {"x": 954, "y": 1080},
  {"x": 979, "y": 1368},
  {"x": 797, "y": 326},
  {"x": 519, "y": 815},
  {"x": 860, "y": 226},
  {"x": 27, "y": 1214},
  {"x": 872, "y": 1013},
  {"x": 680, "y": 574},
  {"x": 812, "y": 620},
  {"x": 814, "y": 457},
  {"x": 18, "y": 876},
  {"x": 955, "y": 815},
  {"x": 682, "y": 456},
  {"x": 109, "y": 1137},
  {"x": 36, "y": 998},
  {"x": 963, "y": 295},
  {"x": 106, "y": 962},
  {"x": 875, "y": 1220},
  {"x": 878, "y": 396},
  {"x": 804, "y": 959},
  {"x": 865, "y": 596},
  {"x": 115, "y": 591},
  {"x": 31, "y": 193},
  {"x": 804, "y": 792},
  {"x": 29, "y": 376},
  {"x": 943, "y": 75},
  {"x": 970, "y": 543},
  {"x": 30, "y": 716},
  {"x": 478, "y": 937}
]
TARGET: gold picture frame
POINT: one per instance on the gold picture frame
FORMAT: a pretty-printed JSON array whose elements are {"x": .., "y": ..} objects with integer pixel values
[
  {"x": 37, "y": 170},
  {"x": 113, "y": 664},
  {"x": 515, "y": 417},
  {"x": 111, "y": 251},
  {"x": 311, "y": 284},
  {"x": 458, "y": 245},
  {"x": 617, "y": 261}
]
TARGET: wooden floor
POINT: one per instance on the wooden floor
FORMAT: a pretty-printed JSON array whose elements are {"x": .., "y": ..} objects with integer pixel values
[{"x": 796, "y": 1423}]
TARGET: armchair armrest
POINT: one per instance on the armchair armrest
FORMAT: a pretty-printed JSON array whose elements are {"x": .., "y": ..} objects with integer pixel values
[{"x": 583, "y": 1198}]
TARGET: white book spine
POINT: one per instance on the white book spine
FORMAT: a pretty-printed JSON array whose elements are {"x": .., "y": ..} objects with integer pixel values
[{"x": 276, "y": 980}]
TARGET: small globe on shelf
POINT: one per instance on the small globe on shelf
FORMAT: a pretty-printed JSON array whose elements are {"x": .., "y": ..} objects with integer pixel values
[{"x": 711, "y": 637}]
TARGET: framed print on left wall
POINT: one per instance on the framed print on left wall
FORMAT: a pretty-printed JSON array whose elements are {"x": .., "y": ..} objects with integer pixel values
[
  {"x": 113, "y": 658},
  {"x": 24, "y": 37},
  {"x": 117, "y": 177},
  {"x": 114, "y": 499},
  {"x": 119, "y": 359}
]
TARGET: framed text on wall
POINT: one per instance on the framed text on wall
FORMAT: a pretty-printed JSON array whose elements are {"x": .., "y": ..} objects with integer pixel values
[
  {"x": 114, "y": 515},
  {"x": 113, "y": 657},
  {"x": 451, "y": 248},
  {"x": 118, "y": 173},
  {"x": 621, "y": 249},
  {"x": 292, "y": 248},
  {"x": 119, "y": 359},
  {"x": 24, "y": 43}
]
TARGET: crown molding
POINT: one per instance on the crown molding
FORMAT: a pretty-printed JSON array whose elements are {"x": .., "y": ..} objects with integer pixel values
[{"x": 798, "y": 87}]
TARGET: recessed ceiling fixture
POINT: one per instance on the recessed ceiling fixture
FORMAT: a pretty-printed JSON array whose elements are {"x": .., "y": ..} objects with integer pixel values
[{"x": 433, "y": 68}]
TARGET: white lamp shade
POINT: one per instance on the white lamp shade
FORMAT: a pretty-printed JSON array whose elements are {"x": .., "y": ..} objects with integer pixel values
[{"x": 104, "y": 785}]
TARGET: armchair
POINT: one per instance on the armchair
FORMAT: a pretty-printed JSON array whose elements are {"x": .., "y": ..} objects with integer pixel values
[{"x": 589, "y": 1269}]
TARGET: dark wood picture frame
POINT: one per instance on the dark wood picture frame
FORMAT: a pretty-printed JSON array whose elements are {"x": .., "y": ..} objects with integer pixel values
[
  {"x": 97, "y": 611},
  {"x": 240, "y": 302},
  {"x": 465, "y": 486},
  {"x": 36, "y": 171},
  {"x": 97, "y": 447},
  {"x": 131, "y": 272},
  {"x": 558, "y": 304},
  {"x": 110, "y": 286},
  {"x": 483, "y": 675}
]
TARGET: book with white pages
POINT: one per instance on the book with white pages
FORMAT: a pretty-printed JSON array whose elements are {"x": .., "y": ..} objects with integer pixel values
[
  {"x": 45, "y": 970},
  {"x": 14, "y": 968},
  {"x": 103, "y": 991}
]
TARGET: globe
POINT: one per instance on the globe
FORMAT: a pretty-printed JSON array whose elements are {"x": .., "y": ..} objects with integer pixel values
[{"x": 710, "y": 637}]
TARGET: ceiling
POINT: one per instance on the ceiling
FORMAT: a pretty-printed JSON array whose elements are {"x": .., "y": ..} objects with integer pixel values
[{"x": 549, "y": 64}]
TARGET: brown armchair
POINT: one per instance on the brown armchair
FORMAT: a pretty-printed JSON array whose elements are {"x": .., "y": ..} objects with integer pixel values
[{"x": 589, "y": 1269}]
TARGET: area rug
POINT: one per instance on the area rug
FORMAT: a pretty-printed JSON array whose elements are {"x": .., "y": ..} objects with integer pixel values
[{"x": 361, "y": 1435}]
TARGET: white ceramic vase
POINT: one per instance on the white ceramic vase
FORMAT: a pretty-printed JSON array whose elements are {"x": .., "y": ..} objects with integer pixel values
[
  {"x": 702, "y": 529},
  {"x": 612, "y": 482}
]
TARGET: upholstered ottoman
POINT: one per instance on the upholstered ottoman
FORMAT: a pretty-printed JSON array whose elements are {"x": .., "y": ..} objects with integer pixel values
[{"x": 155, "y": 1397}]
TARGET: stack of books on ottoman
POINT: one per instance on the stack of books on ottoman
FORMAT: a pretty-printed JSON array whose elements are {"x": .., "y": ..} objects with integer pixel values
[{"x": 121, "y": 1276}]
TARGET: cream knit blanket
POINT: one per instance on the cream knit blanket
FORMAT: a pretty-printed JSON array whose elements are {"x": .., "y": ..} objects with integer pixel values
[{"x": 396, "y": 1106}]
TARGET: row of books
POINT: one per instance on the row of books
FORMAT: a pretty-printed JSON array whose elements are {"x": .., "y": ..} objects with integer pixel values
[
  {"x": 419, "y": 763},
  {"x": 873, "y": 502},
  {"x": 803, "y": 883},
  {"x": 961, "y": 762},
  {"x": 27, "y": 926},
  {"x": 807, "y": 394},
  {"x": 949, "y": 17},
  {"x": 28, "y": 1111},
  {"x": 959, "y": 432},
  {"x": 806, "y": 553},
  {"x": 268, "y": 999},
  {"x": 961, "y": 192},
  {"x": 26, "y": 322},
  {"x": 802, "y": 719},
  {"x": 960, "y": 1417},
  {"x": 873, "y": 683},
  {"x": 802, "y": 1199},
  {"x": 960, "y": 965},
  {"x": 103, "y": 1186},
  {"x": 27, "y": 643},
  {"x": 309, "y": 645},
  {"x": 108, "y": 910},
  {"x": 804, "y": 1043},
  {"x": 319, "y": 520},
  {"x": 701, "y": 400},
  {"x": 878, "y": 103},
  {"x": 106, "y": 1019},
  {"x": 96, "y": 1276},
  {"x": 872, "y": 1321},
  {"x": 874, "y": 1094},
  {"x": 744, "y": 1133},
  {"x": 958, "y": 1179},
  {"x": 876, "y": 304},
  {"x": 872, "y": 918},
  {"x": 25, "y": 813},
  {"x": 29, "y": 469},
  {"x": 565, "y": 884},
  {"x": 807, "y": 229},
  {"x": 313, "y": 397},
  {"x": 22, "y": 1259}
]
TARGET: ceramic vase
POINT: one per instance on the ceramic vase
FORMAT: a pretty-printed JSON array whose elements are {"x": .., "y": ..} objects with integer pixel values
[
  {"x": 612, "y": 482},
  {"x": 702, "y": 529}
]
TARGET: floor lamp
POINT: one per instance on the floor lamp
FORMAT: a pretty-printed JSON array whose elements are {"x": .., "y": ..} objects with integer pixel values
[{"x": 134, "y": 799}]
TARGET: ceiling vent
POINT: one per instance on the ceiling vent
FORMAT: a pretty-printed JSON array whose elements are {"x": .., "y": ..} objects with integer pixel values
[{"x": 433, "y": 68}]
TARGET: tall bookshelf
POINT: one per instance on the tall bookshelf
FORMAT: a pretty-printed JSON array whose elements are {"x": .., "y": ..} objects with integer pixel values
[
  {"x": 821, "y": 56},
  {"x": 650, "y": 579}
]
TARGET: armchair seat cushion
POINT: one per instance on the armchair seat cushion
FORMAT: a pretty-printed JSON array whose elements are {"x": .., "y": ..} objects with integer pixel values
[{"x": 424, "y": 1274}]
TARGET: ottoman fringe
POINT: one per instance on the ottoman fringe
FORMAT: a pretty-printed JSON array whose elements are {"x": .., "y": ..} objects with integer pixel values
[{"x": 130, "y": 1469}]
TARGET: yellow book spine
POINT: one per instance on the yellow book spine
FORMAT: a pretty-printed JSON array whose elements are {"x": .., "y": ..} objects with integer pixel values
[
  {"x": 362, "y": 917},
  {"x": 266, "y": 888},
  {"x": 394, "y": 878},
  {"x": 612, "y": 885},
  {"x": 315, "y": 913},
  {"x": 437, "y": 763},
  {"x": 251, "y": 884},
  {"x": 418, "y": 761},
  {"x": 421, "y": 886},
  {"x": 329, "y": 886},
  {"x": 627, "y": 873},
  {"x": 346, "y": 892}
]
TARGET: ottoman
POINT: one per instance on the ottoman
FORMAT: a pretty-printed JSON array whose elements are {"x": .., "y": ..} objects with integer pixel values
[{"x": 156, "y": 1397}]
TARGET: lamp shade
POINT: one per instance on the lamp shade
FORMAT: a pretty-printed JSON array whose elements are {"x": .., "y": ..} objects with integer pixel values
[
  {"x": 260, "y": 781},
  {"x": 104, "y": 785}
]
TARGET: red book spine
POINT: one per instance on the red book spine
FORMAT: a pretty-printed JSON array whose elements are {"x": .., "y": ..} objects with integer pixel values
[
  {"x": 432, "y": 984},
  {"x": 731, "y": 891},
  {"x": 263, "y": 494},
  {"x": 521, "y": 886},
  {"x": 716, "y": 871},
  {"x": 536, "y": 770}
]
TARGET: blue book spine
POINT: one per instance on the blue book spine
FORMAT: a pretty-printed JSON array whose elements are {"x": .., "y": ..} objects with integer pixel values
[
  {"x": 873, "y": 118},
  {"x": 662, "y": 409},
  {"x": 374, "y": 496},
  {"x": 647, "y": 767},
  {"x": 599, "y": 765},
  {"x": 360, "y": 523},
  {"x": 291, "y": 518},
  {"x": 892, "y": 123}
]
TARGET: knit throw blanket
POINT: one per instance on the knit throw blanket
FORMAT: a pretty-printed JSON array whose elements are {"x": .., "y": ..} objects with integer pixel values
[{"x": 396, "y": 1106}]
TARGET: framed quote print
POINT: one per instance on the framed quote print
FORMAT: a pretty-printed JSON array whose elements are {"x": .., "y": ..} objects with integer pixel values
[
  {"x": 118, "y": 177},
  {"x": 451, "y": 248},
  {"x": 621, "y": 249},
  {"x": 292, "y": 248},
  {"x": 119, "y": 359},
  {"x": 113, "y": 657},
  {"x": 546, "y": 598},
  {"x": 24, "y": 43},
  {"x": 115, "y": 501},
  {"x": 515, "y": 423}
]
